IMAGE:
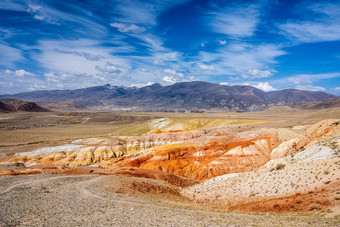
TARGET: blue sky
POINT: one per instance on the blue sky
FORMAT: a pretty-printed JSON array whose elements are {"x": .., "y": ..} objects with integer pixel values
[{"x": 73, "y": 44}]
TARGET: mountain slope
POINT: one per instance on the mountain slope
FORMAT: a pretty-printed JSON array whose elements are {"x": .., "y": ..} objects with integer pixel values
[
  {"x": 191, "y": 96},
  {"x": 14, "y": 105}
]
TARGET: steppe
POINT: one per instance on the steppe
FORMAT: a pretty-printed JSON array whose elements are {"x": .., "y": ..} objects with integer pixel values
[{"x": 276, "y": 167}]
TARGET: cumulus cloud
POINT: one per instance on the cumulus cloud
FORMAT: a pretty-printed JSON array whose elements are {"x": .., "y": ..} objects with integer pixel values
[
  {"x": 223, "y": 83},
  {"x": 310, "y": 88},
  {"x": 222, "y": 42},
  {"x": 170, "y": 79},
  {"x": 19, "y": 80},
  {"x": 265, "y": 86},
  {"x": 206, "y": 67},
  {"x": 19, "y": 72},
  {"x": 256, "y": 73},
  {"x": 142, "y": 85}
]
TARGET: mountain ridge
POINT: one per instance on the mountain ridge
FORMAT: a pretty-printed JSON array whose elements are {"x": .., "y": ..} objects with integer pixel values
[{"x": 184, "y": 96}]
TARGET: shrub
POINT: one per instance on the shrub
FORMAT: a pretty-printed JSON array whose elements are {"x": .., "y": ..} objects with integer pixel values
[
  {"x": 280, "y": 166},
  {"x": 313, "y": 208}
]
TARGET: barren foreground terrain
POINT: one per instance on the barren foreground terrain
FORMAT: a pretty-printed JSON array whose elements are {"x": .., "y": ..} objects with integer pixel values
[
  {"x": 145, "y": 169},
  {"x": 96, "y": 200}
]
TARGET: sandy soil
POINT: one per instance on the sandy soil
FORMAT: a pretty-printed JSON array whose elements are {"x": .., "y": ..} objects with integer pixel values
[{"x": 94, "y": 200}]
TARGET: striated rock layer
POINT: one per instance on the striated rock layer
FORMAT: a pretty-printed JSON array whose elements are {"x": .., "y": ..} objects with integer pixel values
[{"x": 197, "y": 154}]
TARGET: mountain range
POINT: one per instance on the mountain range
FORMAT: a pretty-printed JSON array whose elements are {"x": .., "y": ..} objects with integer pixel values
[{"x": 194, "y": 96}]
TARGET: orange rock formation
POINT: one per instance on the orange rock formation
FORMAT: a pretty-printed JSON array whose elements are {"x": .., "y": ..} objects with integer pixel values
[{"x": 197, "y": 154}]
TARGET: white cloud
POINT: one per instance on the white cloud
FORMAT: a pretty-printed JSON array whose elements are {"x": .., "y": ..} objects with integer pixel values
[
  {"x": 223, "y": 83},
  {"x": 191, "y": 78},
  {"x": 307, "y": 78},
  {"x": 85, "y": 21},
  {"x": 89, "y": 56},
  {"x": 236, "y": 21},
  {"x": 237, "y": 58},
  {"x": 324, "y": 27},
  {"x": 109, "y": 68},
  {"x": 19, "y": 72},
  {"x": 310, "y": 88},
  {"x": 132, "y": 11},
  {"x": 19, "y": 80},
  {"x": 202, "y": 44},
  {"x": 206, "y": 67},
  {"x": 79, "y": 56},
  {"x": 33, "y": 7},
  {"x": 142, "y": 85},
  {"x": 169, "y": 79},
  {"x": 294, "y": 80},
  {"x": 304, "y": 81},
  {"x": 265, "y": 86},
  {"x": 336, "y": 91},
  {"x": 222, "y": 42},
  {"x": 12, "y": 5},
  {"x": 256, "y": 73},
  {"x": 142, "y": 12},
  {"x": 127, "y": 27},
  {"x": 72, "y": 80},
  {"x": 173, "y": 72},
  {"x": 9, "y": 55}
]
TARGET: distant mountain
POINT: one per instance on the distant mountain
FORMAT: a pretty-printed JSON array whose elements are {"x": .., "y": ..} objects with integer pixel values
[
  {"x": 185, "y": 96},
  {"x": 323, "y": 104},
  {"x": 14, "y": 105}
]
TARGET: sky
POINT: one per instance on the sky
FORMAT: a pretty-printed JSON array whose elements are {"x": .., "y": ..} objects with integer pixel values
[{"x": 272, "y": 45}]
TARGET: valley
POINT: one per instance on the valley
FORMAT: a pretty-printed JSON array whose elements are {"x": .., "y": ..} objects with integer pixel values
[{"x": 281, "y": 160}]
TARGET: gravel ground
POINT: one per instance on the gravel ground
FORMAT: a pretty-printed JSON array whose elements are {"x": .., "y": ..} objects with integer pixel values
[{"x": 83, "y": 200}]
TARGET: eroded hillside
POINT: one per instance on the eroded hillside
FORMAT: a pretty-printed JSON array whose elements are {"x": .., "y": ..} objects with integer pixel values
[{"x": 234, "y": 167}]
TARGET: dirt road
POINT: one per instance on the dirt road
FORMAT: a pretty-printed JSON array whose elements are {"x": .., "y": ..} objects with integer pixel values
[{"x": 87, "y": 200}]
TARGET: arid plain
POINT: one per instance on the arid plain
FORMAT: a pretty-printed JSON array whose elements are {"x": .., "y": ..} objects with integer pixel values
[{"x": 275, "y": 167}]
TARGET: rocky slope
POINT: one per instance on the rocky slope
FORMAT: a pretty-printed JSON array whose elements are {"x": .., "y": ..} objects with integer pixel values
[
  {"x": 198, "y": 154},
  {"x": 276, "y": 165},
  {"x": 316, "y": 105},
  {"x": 187, "y": 96},
  {"x": 14, "y": 105}
]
